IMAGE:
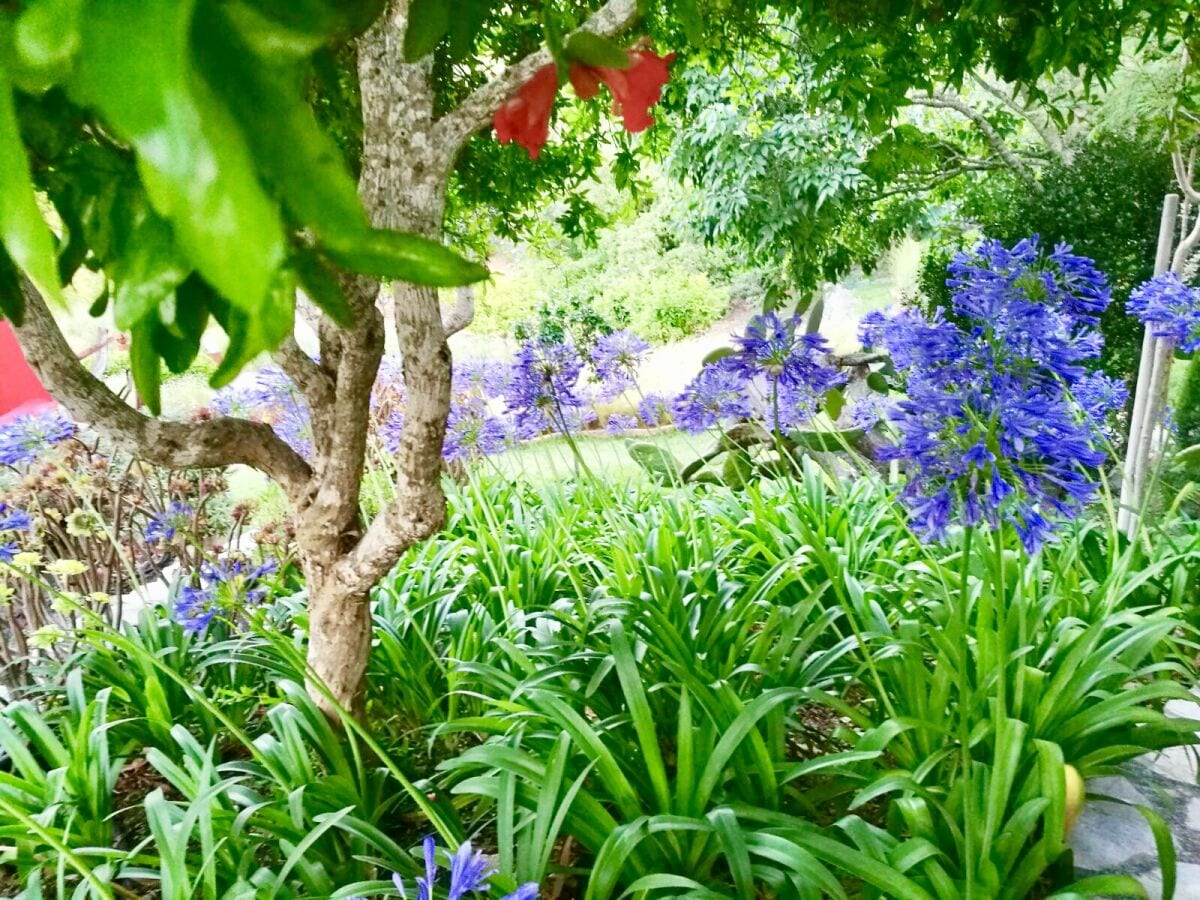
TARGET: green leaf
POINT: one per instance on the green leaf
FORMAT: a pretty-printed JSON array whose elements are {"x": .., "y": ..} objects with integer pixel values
[
  {"x": 251, "y": 335},
  {"x": 12, "y": 305},
  {"x": 877, "y": 381},
  {"x": 835, "y": 402},
  {"x": 595, "y": 50},
  {"x": 145, "y": 366},
  {"x": 408, "y": 257},
  {"x": 320, "y": 284},
  {"x": 135, "y": 68},
  {"x": 428, "y": 21},
  {"x": 179, "y": 325},
  {"x": 46, "y": 37},
  {"x": 23, "y": 231},
  {"x": 149, "y": 266},
  {"x": 1164, "y": 843},
  {"x": 717, "y": 355}
]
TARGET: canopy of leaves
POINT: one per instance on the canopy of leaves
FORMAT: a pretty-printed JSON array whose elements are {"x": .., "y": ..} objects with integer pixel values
[{"x": 178, "y": 148}]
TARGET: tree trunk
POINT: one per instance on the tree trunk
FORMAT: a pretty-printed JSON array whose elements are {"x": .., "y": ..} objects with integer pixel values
[{"x": 339, "y": 645}]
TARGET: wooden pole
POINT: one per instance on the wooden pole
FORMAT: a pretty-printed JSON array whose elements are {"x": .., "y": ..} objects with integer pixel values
[{"x": 1151, "y": 379}]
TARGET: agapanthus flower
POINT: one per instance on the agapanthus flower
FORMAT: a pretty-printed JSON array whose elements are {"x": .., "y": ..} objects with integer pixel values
[
  {"x": 13, "y": 519},
  {"x": 1171, "y": 308},
  {"x": 225, "y": 588},
  {"x": 619, "y": 423},
  {"x": 480, "y": 377},
  {"x": 469, "y": 873},
  {"x": 654, "y": 409},
  {"x": 471, "y": 432},
  {"x": 25, "y": 438},
  {"x": 1101, "y": 397},
  {"x": 718, "y": 393},
  {"x": 617, "y": 357},
  {"x": 391, "y": 430},
  {"x": 780, "y": 350},
  {"x": 239, "y": 402},
  {"x": 544, "y": 386},
  {"x": 165, "y": 524},
  {"x": 990, "y": 432},
  {"x": 8, "y": 551}
]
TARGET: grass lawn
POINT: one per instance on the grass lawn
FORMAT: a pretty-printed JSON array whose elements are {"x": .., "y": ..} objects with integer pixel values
[{"x": 550, "y": 459}]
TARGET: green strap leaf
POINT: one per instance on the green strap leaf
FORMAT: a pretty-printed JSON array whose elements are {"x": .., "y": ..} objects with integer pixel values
[
  {"x": 134, "y": 67},
  {"x": 23, "y": 231}
]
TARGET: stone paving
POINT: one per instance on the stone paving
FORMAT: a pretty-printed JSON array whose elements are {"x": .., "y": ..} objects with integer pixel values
[{"x": 1112, "y": 837}]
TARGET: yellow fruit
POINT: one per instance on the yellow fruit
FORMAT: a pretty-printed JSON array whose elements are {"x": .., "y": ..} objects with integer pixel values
[{"x": 1074, "y": 798}]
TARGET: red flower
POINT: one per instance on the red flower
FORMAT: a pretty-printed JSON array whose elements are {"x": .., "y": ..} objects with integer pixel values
[
  {"x": 634, "y": 89},
  {"x": 525, "y": 117}
]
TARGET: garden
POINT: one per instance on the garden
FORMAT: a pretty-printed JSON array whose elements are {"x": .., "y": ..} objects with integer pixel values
[{"x": 579, "y": 449}]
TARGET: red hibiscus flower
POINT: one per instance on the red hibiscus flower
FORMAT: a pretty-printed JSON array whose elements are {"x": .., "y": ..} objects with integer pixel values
[
  {"x": 634, "y": 89},
  {"x": 525, "y": 117}
]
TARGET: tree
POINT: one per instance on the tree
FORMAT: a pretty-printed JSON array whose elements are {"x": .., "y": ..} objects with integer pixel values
[{"x": 175, "y": 143}]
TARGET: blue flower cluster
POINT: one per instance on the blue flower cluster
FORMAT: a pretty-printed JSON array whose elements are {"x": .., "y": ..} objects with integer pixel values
[
  {"x": 1171, "y": 308},
  {"x": 617, "y": 358},
  {"x": 469, "y": 874},
  {"x": 12, "y": 521},
  {"x": 225, "y": 588},
  {"x": 177, "y": 518},
  {"x": 25, "y": 438},
  {"x": 778, "y": 372},
  {"x": 544, "y": 390},
  {"x": 1002, "y": 423}
]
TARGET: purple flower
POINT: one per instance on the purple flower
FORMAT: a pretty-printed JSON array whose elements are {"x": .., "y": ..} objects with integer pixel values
[
  {"x": 8, "y": 551},
  {"x": 778, "y": 349},
  {"x": 990, "y": 432},
  {"x": 235, "y": 401},
  {"x": 391, "y": 430},
  {"x": 164, "y": 525},
  {"x": 469, "y": 873},
  {"x": 1170, "y": 308},
  {"x": 619, "y": 424},
  {"x": 225, "y": 588},
  {"x": 471, "y": 432},
  {"x": 717, "y": 393},
  {"x": 194, "y": 608},
  {"x": 544, "y": 386},
  {"x": 25, "y": 438},
  {"x": 617, "y": 357},
  {"x": 480, "y": 377},
  {"x": 654, "y": 409},
  {"x": 1101, "y": 397},
  {"x": 12, "y": 519}
]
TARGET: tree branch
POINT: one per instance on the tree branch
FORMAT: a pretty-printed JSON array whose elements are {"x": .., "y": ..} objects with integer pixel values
[
  {"x": 942, "y": 100},
  {"x": 463, "y": 313},
  {"x": 475, "y": 112},
  {"x": 176, "y": 445}
]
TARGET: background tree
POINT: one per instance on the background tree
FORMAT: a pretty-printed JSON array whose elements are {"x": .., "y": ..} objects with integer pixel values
[{"x": 175, "y": 144}]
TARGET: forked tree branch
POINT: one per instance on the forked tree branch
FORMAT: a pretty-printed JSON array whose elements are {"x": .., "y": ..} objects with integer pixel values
[
  {"x": 454, "y": 129},
  {"x": 942, "y": 100},
  {"x": 176, "y": 445}
]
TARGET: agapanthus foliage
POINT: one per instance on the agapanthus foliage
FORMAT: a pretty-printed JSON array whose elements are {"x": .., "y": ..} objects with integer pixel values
[
  {"x": 223, "y": 590},
  {"x": 992, "y": 432},
  {"x": 27, "y": 437},
  {"x": 1171, "y": 309}
]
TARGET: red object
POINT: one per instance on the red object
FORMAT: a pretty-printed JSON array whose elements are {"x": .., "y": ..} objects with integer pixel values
[
  {"x": 525, "y": 117},
  {"x": 20, "y": 390},
  {"x": 634, "y": 89}
]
